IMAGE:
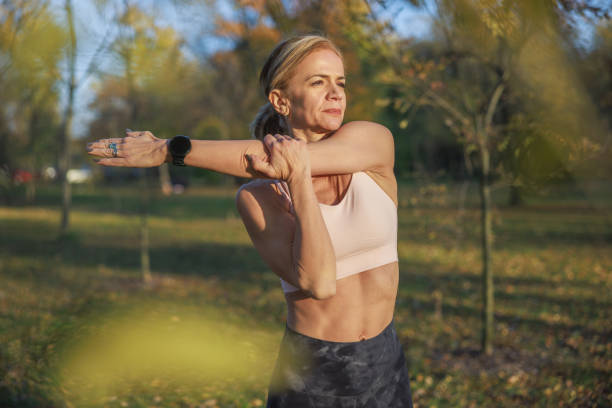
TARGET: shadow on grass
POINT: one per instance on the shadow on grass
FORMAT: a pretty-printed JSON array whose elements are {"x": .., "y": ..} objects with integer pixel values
[
  {"x": 455, "y": 286},
  {"x": 128, "y": 201},
  {"x": 241, "y": 264},
  {"x": 224, "y": 262}
]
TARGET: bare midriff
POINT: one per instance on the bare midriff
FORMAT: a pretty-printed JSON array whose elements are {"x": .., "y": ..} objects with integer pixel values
[{"x": 361, "y": 308}]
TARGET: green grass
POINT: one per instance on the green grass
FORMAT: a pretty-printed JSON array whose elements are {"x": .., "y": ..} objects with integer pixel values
[{"x": 553, "y": 309}]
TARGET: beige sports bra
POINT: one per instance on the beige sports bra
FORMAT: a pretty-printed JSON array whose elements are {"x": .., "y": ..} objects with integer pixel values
[{"x": 362, "y": 227}]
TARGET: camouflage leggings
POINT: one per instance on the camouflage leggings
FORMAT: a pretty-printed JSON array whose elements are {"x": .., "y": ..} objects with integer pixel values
[{"x": 314, "y": 373}]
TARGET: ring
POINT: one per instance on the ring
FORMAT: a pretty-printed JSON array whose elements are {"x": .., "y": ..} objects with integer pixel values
[{"x": 113, "y": 147}]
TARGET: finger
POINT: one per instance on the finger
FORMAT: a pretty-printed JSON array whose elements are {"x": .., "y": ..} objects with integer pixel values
[
  {"x": 269, "y": 141},
  {"x": 283, "y": 138},
  {"x": 260, "y": 165},
  {"x": 103, "y": 143},
  {"x": 98, "y": 151},
  {"x": 113, "y": 162},
  {"x": 136, "y": 133},
  {"x": 106, "y": 152}
]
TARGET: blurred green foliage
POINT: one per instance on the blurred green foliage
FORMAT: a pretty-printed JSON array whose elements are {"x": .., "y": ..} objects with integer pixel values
[{"x": 551, "y": 121}]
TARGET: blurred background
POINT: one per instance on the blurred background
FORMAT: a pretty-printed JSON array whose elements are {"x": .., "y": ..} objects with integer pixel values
[{"x": 140, "y": 288}]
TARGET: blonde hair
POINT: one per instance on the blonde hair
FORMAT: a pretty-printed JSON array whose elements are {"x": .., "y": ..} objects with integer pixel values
[{"x": 276, "y": 73}]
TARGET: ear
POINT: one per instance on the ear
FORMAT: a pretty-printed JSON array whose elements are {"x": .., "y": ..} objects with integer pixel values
[{"x": 280, "y": 102}]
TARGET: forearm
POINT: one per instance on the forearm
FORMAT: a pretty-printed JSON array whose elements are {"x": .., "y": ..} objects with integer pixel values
[
  {"x": 313, "y": 253},
  {"x": 229, "y": 156},
  {"x": 224, "y": 156}
]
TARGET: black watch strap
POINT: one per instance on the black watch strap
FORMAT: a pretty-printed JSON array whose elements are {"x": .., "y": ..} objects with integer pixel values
[{"x": 178, "y": 160}]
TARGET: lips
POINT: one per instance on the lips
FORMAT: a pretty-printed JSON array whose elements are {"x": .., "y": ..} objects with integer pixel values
[{"x": 333, "y": 111}]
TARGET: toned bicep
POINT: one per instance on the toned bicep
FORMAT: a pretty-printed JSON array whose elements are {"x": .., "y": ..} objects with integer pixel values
[
  {"x": 356, "y": 146},
  {"x": 271, "y": 229}
]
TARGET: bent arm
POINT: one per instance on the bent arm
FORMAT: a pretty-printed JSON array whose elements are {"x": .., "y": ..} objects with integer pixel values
[
  {"x": 313, "y": 254},
  {"x": 296, "y": 246}
]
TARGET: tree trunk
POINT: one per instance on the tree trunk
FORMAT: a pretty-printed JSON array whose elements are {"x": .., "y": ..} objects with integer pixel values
[
  {"x": 487, "y": 274},
  {"x": 32, "y": 130},
  {"x": 30, "y": 187},
  {"x": 164, "y": 179},
  {"x": 516, "y": 198},
  {"x": 145, "y": 262},
  {"x": 65, "y": 128}
]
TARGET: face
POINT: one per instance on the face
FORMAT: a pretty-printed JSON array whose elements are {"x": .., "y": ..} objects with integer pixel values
[{"x": 314, "y": 96}]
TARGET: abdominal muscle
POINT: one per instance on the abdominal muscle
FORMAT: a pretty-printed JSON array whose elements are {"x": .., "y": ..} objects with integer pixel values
[{"x": 361, "y": 308}]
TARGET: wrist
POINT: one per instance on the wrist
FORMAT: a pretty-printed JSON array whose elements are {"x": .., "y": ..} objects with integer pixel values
[
  {"x": 178, "y": 147},
  {"x": 165, "y": 151},
  {"x": 299, "y": 178}
]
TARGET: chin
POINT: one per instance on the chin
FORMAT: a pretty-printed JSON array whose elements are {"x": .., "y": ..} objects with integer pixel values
[{"x": 331, "y": 125}]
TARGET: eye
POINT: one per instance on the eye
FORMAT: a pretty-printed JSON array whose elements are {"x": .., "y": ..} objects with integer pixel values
[
  {"x": 341, "y": 84},
  {"x": 317, "y": 82}
]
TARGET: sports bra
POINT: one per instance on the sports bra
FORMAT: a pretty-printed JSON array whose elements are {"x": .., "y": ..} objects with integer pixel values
[{"x": 362, "y": 227}]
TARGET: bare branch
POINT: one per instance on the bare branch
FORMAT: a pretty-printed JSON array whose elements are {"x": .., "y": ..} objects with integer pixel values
[
  {"x": 92, "y": 67},
  {"x": 495, "y": 97}
]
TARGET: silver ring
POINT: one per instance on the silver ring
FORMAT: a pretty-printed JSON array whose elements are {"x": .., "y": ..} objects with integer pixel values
[{"x": 113, "y": 147}]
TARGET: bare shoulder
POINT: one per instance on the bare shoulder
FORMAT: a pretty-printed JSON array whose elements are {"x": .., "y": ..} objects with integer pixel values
[
  {"x": 373, "y": 140},
  {"x": 253, "y": 191},
  {"x": 368, "y": 129},
  {"x": 380, "y": 139},
  {"x": 256, "y": 186},
  {"x": 367, "y": 125},
  {"x": 255, "y": 196}
]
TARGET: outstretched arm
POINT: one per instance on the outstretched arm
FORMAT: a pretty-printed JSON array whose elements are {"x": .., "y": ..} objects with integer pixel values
[{"x": 356, "y": 146}]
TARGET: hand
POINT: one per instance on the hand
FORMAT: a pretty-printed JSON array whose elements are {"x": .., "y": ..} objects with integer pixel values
[
  {"x": 288, "y": 158},
  {"x": 137, "y": 149}
]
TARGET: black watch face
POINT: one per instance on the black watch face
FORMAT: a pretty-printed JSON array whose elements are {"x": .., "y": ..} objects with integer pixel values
[{"x": 180, "y": 145}]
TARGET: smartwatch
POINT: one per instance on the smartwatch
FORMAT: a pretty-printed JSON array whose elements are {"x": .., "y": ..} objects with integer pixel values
[{"x": 178, "y": 147}]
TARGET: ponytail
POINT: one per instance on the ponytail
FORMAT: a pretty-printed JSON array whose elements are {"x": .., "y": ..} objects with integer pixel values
[{"x": 269, "y": 121}]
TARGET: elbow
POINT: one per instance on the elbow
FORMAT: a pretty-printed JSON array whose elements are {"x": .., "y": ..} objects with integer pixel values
[
  {"x": 321, "y": 285},
  {"x": 324, "y": 292},
  {"x": 323, "y": 289}
]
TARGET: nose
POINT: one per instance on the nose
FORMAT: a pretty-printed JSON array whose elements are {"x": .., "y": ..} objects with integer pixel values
[{"x": 335, "y": 92}]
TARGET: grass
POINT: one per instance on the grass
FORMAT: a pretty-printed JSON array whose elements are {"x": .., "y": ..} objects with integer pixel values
[{"x": 64, "y": 305}]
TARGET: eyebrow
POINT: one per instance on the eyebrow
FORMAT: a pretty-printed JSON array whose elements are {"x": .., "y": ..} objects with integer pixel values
[{"x": 323, "y": 76}]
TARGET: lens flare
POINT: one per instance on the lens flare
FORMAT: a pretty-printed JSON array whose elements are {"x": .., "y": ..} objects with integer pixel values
[{"x": 128, "y": 350}]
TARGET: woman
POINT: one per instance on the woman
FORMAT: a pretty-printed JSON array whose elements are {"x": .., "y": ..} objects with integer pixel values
[{"x": 323, "y": 215}]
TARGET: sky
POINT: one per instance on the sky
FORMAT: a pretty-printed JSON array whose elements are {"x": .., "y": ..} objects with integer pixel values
[
  {"x": 196, "y": 24},
  {"x": 193, "y": 23}
]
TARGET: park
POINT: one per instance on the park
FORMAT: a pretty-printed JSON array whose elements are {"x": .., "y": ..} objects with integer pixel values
[{"x": 140, "y": 287}]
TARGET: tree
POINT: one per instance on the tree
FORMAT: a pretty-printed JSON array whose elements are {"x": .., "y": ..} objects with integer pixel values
[
  {"x": 72, "y": 83},
  {"x": 30, "y": 49},
  {"x": 500, "y": 80},
  {"x": 154, "y": 89}
]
